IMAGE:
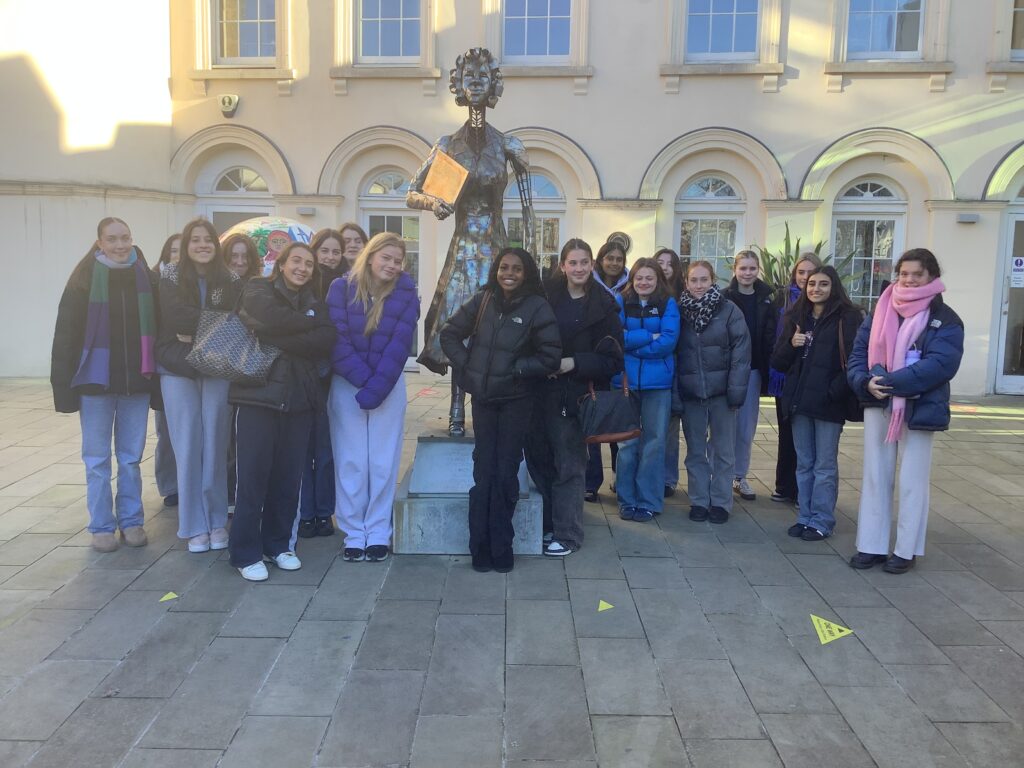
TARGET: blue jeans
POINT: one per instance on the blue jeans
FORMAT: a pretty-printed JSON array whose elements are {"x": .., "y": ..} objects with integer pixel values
[
  {"x": 126, "y": 417},
  {"x": 746, "y": 424},
  {"x": 672, "y": 451},
  {"x": 640, "y": 476},
  {"x": 817, "y": 470},
  {"x": 709, "y": 427}
]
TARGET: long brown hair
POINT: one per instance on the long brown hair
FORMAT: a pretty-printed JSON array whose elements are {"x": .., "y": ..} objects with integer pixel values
[
  {"x": 253, "y": 265},
  {"x": 362, "y": 278},
  {"x": 217, "y": 271},
  {"x": 282, "y": 257},
  {"x": 661, "y": 293}
]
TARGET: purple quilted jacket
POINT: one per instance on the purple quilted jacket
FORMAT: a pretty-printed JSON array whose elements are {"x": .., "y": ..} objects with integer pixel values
[{"x": 373, "y": 363}]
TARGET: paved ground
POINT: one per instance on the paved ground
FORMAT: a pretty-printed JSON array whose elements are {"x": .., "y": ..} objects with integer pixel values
[{"x": 708, "y": 657}]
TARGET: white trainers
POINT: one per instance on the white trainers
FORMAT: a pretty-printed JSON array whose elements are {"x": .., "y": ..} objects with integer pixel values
[
  {"x": 558, "y": 549},
  {"x": 742, "y": 488},
  {"x": 287, "y": 561},
  {"x": 200, "y": 543},
  {"x": 218, "y": 538},
  {"x": 254, "y": 572}
]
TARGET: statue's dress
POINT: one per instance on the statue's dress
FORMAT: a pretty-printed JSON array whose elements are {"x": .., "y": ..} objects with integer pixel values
[{"x": 479, "y": 228}]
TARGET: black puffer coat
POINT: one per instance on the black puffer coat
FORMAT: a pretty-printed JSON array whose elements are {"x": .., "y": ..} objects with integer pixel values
[
  {"x": 296, "y": 322},
  {"x": 125, "y": 343},
  {"x": 715, "y": 362},
  {"x": 762, "y": 343},
  {"x": 816, "y": 384},
  {"x": 515, "y": 345},
  {"x": 595, "y": 346},
  {"x": 180, "y": 310}
]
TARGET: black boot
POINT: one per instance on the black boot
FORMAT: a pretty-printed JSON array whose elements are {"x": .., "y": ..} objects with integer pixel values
[{"x": 457, "y": 412}]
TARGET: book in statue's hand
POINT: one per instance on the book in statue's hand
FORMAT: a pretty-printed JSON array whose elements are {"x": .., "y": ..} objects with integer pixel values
[{"x": 445, "y": 179}]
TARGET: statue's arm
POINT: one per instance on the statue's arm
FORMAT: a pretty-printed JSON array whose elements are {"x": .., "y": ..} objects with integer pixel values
[
  {"x": 516, "y": 154},
  {"x": 415, "y": 198}
]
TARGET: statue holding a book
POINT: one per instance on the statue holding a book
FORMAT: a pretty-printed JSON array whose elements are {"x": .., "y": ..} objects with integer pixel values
[{"x": 466, "y": 174}]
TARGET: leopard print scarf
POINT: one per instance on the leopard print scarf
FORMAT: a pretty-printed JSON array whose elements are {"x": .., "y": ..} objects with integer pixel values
[{"x": 699, "y": 312}]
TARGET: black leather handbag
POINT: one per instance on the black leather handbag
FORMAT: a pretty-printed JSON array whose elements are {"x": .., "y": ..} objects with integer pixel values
[
  {"x": 225, "y": 348},
  {"x": 611, "y": 416}
]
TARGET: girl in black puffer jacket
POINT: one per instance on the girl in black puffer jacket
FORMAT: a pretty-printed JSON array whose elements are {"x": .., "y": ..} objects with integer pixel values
[
  {"x": 514, "y": 344},
  {"x": 274, "y": 419},
  {"x": 817, "y": 334}
]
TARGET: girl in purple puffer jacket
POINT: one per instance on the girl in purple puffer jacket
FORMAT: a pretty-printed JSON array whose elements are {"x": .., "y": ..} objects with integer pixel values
[{"x": 374, "y": 309}]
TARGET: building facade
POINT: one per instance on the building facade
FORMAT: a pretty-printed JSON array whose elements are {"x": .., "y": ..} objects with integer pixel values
[{"x": 702, "y": 125}]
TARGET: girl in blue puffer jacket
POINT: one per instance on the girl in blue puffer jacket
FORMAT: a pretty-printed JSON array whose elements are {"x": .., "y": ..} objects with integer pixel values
[{"x": 650, "y": 321}]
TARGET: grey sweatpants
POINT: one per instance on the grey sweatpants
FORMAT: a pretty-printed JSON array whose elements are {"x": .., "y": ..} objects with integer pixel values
[{"x": 710, "y": 430}]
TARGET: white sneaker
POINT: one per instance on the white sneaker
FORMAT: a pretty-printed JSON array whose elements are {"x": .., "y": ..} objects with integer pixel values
[
  {"x": 200, "y": 543},
  {"x": 741, "y": 487},
  {"x": 254, "y": 572},
  {"x": 287, "y": 561},
  {"x": 218, "y": 538},
  {"x": 558, "y": 549}
]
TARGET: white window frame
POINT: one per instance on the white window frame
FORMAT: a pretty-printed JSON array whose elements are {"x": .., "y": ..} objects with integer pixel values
[
  {"x": 871, "y": 209},
  {"x": 228, "y": 170},
  {"x": 732, "y": 56},
  {"x": 705, "y": 208},
  {"x": 208, "y": 64},
  {"x": 539, "y": 59},
  {"x": 1016, "y": 16},
  {"x": 380, "y": 60},
  {"x": 543, "y": 208},
  {"x": 884, "y": 55}
]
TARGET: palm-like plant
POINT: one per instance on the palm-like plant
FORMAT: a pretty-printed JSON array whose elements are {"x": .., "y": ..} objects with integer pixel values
[{"x": 777, "y": 266}]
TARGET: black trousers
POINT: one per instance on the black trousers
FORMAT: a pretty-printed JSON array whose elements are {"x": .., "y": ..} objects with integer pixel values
[
  {"x": 271, "y": 455},
  {"x": 785, "y": 465},
  {"x": 500, "y": 433}
]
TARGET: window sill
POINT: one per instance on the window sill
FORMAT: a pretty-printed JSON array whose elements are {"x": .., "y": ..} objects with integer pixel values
[
  {"x": 1005, "y": 67},
  {"x": 200, "y": 77},
  {"x": 768, "y": 71},
  {"x": 579, "y": 75},
  {"x": 428, "y": 76},
  {"x": 938, "y": 71},
  {"x": 891, "y": 67}
]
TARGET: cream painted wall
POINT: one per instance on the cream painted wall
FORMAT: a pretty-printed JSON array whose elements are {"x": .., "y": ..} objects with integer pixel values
[{"x": 600, "y": 144}]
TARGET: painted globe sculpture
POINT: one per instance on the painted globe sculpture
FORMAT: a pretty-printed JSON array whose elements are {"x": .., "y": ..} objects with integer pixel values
[{"x": 271, "y": 234}]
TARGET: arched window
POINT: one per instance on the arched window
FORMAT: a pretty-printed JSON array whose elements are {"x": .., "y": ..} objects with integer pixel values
[
  {"x": 240, "y": 180},
  {"x": 382, "y": 209},
  {"x": 868, "y": 224},
  {"x": 709, "y": 220},
  {"x": 548, "y": 213}
]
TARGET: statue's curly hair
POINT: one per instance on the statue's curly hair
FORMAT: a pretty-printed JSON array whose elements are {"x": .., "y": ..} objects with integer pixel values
[{"x": 485, "y": 58}]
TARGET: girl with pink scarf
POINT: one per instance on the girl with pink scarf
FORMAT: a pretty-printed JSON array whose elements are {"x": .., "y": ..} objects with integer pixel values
[{"x": 901, "y": 364}]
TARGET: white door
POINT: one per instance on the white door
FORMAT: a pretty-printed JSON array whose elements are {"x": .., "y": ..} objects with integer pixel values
[{"x": 1010, "y": 373}]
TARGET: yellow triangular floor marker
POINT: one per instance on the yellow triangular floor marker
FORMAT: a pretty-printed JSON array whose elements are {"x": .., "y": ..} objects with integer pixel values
[
  {"x": 603, "y": 606},
  {"x": 168, "y": 596},
  {"x": 827, "y": 631}
]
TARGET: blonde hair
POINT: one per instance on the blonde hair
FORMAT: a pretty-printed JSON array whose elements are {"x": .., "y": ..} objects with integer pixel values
[
  {"x": 703, "y": 263},
  {"x": 745, "y": 254},
  {"x": 363, "y": 278}
]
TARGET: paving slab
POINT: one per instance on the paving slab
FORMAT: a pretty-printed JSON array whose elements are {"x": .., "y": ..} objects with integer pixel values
[
  {"x": 792, "y": 608},
  {"x": 597, "y": 559},
  {"x": 620, "y": 677},
  {"x": 730, "y": 753},
  {"x": 448, "y": 741},
  {"x": 698, "y": 550},
  {"x": 675, "y": 626},
  {"x": 653, "y": 573},
  {"x": 467, "y": 591},
  {"x": 638, "y": 742},
  {"x": 91, "y": 589},
  {"x": 308, "y": 676},
  {"x": 99, "y": 733},
  {"x": 160, "y": 663},
  {"x": 400, "y": 635},
  {"x": 208, "y": 707},
  {"x": 54, "y": 569},
  {"x": 810, "y": 741},
  {"x": 986, "y": 744},
  {"x": 35, "y": 636},
  {"x": 116, "y": 629},
  {"x": 976, "y": 596},
  {"x": 15, "y": 754},
  {"x": 348, "y": 591},
  {"x": 708, "y": 700},
  {"x": 892, "y": 728},
  {"x": 46, "y": 697},
  {"x": 763, "y": 564},
  {"x": 546, "y": 715},
  {"x": 27, "y": 548},
  {"x": 998, "y": 671},
  {"x": 375, "y": 719},
  {"x": 540, "y": 632},
  {"x": 632, "y": 539},
  {"x": 621, "y": 620},
  {"x": 940, "y": 619},
  {"x": 945, "y": 694},
  {"x": 538, "y": 578},
  {"x": 772, "y": 672},
  {"x": 277, "y": 741},
  {"x": 723, "y": 590},
  {"x": 268, "y": 610},
  {"x": 1009, "y": 632},
  {"x": 842, "y": 662},
  {"x": 175, "y": 571},
  {"x": 890, "y": 637},
  {"x": 415, "y": 577},
  {"x": 836, "y": 582},
  {"x": 172, "y": 758},
  {"x": 465, "y": 676}
]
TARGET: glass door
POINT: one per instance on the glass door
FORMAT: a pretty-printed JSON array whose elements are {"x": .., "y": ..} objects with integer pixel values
[{"x": 1010, "y": 374}]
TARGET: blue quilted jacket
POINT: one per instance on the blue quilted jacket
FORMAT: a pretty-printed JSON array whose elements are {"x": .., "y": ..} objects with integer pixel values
[
  {"x": 650, "y": 362},
  {"x": 373, "y": 363}
]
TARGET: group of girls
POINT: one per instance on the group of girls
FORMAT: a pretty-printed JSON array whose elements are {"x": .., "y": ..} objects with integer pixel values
[
  {"x": 343, "y": 313},
  {"x": 121, "y": 345}
]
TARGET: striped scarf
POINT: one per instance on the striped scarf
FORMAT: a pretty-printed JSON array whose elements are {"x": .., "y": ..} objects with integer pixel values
[{"x": 94, "y": 367}]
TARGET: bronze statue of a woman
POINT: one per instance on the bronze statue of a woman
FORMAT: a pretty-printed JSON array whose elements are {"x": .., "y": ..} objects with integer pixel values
[{"x": 479, "y": 229}]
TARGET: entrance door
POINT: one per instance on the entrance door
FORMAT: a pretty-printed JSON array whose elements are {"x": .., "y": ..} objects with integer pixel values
[{"x": 1010, "y": 375}]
